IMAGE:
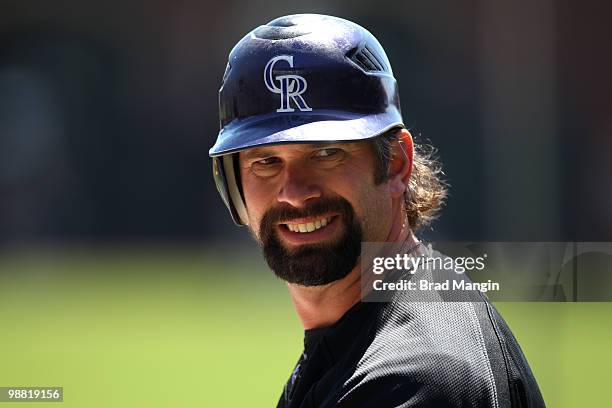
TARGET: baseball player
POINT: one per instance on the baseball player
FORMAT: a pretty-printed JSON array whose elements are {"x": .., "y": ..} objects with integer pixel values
[{"x": 313, "y": 157}]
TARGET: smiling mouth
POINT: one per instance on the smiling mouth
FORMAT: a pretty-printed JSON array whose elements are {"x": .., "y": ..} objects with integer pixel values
[{"x": 305, "y": 228}]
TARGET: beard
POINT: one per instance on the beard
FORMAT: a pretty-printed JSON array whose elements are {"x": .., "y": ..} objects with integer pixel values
[{"x": 312, "y": 264}]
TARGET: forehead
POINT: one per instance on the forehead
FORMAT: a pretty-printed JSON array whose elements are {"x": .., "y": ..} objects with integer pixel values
[{"x": 295, "y": 148}]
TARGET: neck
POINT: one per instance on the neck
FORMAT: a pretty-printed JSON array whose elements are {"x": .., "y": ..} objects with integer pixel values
[{"x": 322, "y": 306}]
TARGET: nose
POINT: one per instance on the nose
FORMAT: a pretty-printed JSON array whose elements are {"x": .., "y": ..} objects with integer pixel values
[{"x": 297, "y": 188}]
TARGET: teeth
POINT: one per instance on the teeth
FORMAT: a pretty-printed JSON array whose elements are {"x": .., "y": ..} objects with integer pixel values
[{"x": 310, "y": 226}]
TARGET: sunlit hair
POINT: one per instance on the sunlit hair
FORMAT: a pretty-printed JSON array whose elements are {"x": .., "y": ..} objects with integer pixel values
[{"x": 427, "y": 190}]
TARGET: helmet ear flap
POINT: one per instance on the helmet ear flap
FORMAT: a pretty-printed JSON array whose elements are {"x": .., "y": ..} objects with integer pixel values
[{"x": 224, "y": 173}]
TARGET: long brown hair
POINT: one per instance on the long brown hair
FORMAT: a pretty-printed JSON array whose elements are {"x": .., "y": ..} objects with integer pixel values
[{"x": 427, "y": 189}]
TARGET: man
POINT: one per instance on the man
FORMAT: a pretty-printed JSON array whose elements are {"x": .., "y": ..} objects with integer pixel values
[{"x": 313, "y": 156}]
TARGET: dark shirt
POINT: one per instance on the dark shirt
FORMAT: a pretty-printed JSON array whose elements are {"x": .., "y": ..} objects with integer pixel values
[{"x": 406, "y": 353}]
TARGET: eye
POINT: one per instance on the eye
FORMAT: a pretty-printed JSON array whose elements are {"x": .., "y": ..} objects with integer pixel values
[
  {"x": 267, "y": 161},
  {"x": 267, "y": 167},
  {"x": 328, "y": 152}
]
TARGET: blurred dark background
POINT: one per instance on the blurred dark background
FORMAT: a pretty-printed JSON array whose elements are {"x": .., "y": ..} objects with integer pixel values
[{"x": 108, "y": 109}]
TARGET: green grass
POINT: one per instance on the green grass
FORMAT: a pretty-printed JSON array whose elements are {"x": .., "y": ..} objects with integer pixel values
[{"x": 185, "y": 328}]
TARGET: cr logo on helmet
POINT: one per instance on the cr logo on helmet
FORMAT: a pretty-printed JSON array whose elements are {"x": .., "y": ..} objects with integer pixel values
[{"x": 291, "y": 86}]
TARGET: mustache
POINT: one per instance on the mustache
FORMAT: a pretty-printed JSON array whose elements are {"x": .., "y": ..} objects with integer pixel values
[
  {"x": 286, "y": 212},
  {"x": 313, "y": 264}
]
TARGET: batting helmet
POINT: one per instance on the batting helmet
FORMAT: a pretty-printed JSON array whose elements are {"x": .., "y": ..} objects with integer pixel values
[{"x": 299, "y": 79}]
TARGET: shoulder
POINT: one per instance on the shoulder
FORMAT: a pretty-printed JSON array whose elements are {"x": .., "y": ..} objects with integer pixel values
[{"x": 426, "y": 352}]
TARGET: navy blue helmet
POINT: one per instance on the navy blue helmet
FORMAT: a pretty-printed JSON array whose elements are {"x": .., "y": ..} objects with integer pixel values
[{"x": 300, "y": 79}]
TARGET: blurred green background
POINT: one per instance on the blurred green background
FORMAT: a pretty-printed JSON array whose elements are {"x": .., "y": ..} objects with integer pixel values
[
  {"x": 195, "y": 326},
  {"x": 107, "y": 112}
]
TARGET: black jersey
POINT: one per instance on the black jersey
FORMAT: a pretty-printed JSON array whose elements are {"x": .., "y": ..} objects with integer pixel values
[{"x": 413, "y": 354}]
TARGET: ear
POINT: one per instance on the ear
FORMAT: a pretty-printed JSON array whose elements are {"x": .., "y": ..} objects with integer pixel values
[{"x": 400, "y": 167}]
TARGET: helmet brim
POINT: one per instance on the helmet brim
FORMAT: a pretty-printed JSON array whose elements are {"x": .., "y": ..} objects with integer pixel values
[{"x": 303, "y": 127}]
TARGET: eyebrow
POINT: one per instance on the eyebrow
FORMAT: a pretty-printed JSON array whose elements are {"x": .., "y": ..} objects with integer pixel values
[
  {"x": 257, "y": 153},
  {"x": 322, "y": 145},
  {"x": 267, "y": 151}
]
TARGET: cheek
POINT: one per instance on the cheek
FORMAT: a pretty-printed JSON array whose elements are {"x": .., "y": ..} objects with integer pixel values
[
  {"x": 376, "y": 208},
  {"x": 254, "y": 197},
  {"x": 372, "y": 203}
]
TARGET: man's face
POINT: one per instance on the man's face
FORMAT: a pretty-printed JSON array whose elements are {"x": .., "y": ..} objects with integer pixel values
[{"x": 310, "y": 207}]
